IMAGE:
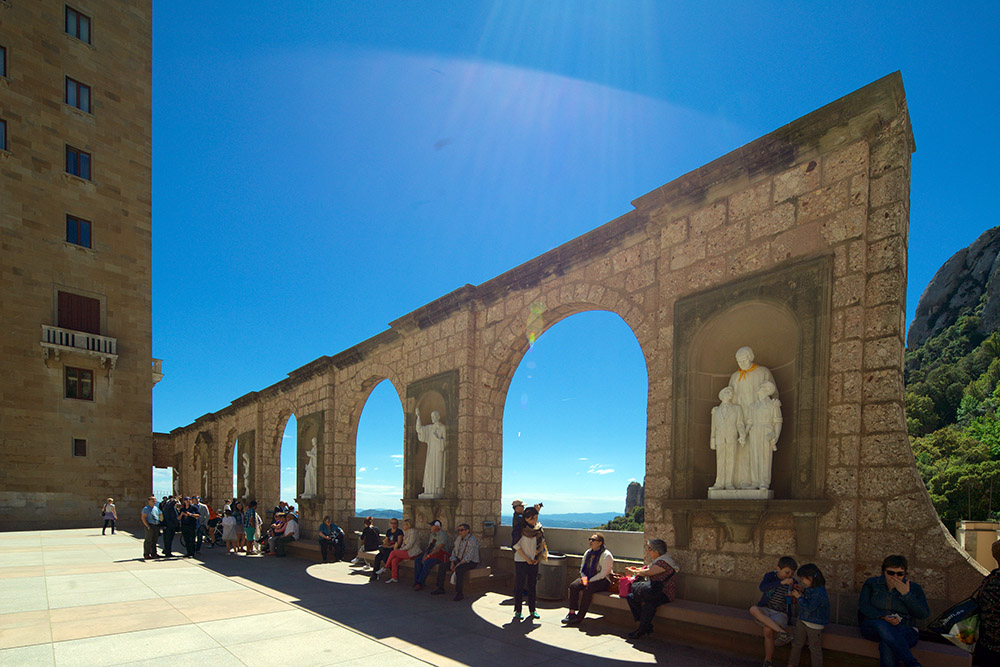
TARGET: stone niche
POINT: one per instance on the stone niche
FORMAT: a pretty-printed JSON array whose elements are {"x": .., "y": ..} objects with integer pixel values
[
  {"x": 784, "y": 315},
  {"x": 245, "y": 447},
  {"x": 309, "y": 427},
  {"x": 438, "y": 392}
]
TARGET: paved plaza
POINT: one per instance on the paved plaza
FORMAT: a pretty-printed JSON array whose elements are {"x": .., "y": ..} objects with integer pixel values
[{"x": 75, "y": 597}]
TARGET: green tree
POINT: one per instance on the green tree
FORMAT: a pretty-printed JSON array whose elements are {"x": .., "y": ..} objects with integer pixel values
[{"x": 634, "y": 521}]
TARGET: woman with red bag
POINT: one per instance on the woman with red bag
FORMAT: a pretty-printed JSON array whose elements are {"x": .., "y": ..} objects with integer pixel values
[{"x": 653, "y": 586}]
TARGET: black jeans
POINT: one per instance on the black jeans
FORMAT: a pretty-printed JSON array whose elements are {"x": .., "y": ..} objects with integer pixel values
[
  {"x": 281, "y": 543},
  {"x": 108, "y": 522},
  {"x": 325, "y": 546},
  {"x": 383, "y": 553},
  {"x": 188, "y": 533},
  {"x": 445, "y": 569},
  {"x": 582, "y": 603},
  {"x": 168, "y": 540},
  {"x": 644, "y": 608},
  {"x": 525, "y": 578}
]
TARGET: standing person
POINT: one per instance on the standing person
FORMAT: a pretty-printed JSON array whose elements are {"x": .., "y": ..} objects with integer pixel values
[
  {"x": 408, "y": 548},
  {"x": 331, "y": 538},
  {"x": 528, "y": 550},
  {"x": 595, "y": 577},
  {"x": 251, "y": 526},
  {"x": 241, "y": 542},
  {"x": 988, "y": 646},
  {"x": 171, "y": 524},
  {"x": 189, "y": 518},
  {"x": 368, "y": 540},
  {"x": 659, "y": 586},
  {"x": 773, "y": 609},
  {"x": 393, "y": 540},
  {"x": 150, "y": 517},
  {"x": 435, "y": 554},
  {"x": 814, "y": 615},
  {"x": 202, "y": 510},
  {"x": 464, "y": 557},
  {"x": 889, "y": 607},
  {"x": 229, "y": 531},
  {"x": 110, "y": 515}
]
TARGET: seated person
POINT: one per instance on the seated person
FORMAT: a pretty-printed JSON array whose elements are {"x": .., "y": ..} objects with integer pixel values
[
  {"x": 435, "y": 554},
  {"x": 595, "y": 577},
  {"x": 331, "y": 538},
  {"x": 464, "y": 557},
  {"x": 888, "y": 610},
  {"x": 393, "y": 540},
  {"x": 275, "y": 531},
  {"x": 368, "y": 540},
  {"x": 654, "y": 585},
  {"x": 408, "y": 548},
  {"x": 290, "y": 534}
]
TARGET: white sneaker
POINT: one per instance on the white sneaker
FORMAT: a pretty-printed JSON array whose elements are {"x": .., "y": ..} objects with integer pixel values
[
  {"x": 392, "y": 581},
  {"x": 380, "y": 572},
  {"x": 355, "y": 561}
]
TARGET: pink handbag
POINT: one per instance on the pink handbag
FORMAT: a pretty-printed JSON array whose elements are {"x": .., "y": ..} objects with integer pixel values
[{"x": 625, "y": 586}]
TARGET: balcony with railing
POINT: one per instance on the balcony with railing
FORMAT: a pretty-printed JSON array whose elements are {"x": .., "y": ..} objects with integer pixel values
[
  {"x": 157, "y": 370},
  {"x": 56, "y": 341}
]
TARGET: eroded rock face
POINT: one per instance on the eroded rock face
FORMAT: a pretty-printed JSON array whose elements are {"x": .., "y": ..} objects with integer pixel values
[
  {"x": 958, "y": 285},
  {"x": 635, "y": 496}
]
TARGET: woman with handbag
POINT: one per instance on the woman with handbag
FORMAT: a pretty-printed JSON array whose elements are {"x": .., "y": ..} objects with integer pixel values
[{"x": 654, "y": 584}]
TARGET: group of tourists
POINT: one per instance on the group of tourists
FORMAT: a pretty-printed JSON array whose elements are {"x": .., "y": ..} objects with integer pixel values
[{"x": 889, "y": 605}]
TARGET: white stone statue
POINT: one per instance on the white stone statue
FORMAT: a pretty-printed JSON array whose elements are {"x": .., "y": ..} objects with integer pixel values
[
  {"x": 728, "y": 437},
  {"x": 763, "y": 426},
  {"x": 246, "y": 475},
  {"x": 204, "y": 483},
  {"x": 310, "y": 477},
  {"x": 747, "y": 379},
  {"x": 435, "y": 435}
]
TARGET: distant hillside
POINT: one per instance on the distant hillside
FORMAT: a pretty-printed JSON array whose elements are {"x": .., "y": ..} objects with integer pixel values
[{"x": 380, "y": 513}]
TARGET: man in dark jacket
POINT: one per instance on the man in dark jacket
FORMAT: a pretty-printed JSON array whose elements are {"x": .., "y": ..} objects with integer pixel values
[{"x": 171, "y": 524}]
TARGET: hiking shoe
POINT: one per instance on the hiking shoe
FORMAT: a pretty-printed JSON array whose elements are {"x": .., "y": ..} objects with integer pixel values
[
  {"x": 534, "y": 614},
  {"x": 568, "y": 617},
  {"x": 782, "y": 639},
  {"x": 518, "y": 616}
]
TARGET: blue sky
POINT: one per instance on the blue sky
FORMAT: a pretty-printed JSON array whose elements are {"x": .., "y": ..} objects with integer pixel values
[{"x": 321, "y": 169}]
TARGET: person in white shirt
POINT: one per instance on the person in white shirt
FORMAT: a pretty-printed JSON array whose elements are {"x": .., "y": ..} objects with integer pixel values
[
  {"x": 595, "y": 577},
  {"x": 527, "y": 552},
  {"x": 290, "y": 535}
]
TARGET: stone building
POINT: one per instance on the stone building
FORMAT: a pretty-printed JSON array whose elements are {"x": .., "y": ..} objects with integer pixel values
[
  {"x": 75, "y": 228},
  {"x": 794, "y": 244}
]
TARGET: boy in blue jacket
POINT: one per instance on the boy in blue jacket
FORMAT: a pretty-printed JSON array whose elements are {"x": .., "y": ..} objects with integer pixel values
[{"x": 773, "y": 609}]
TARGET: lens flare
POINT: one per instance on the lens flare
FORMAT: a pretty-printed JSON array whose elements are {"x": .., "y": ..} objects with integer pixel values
[{"x": 536, "y": 322}]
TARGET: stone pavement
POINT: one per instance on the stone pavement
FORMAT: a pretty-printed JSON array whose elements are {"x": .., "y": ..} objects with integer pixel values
[{"x": 75, "y": 597}]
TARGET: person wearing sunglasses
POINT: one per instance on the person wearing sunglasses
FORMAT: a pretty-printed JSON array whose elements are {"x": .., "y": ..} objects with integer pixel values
[
  {"x": 595, "y": 573},
  {"x": 888, "y": 610}
]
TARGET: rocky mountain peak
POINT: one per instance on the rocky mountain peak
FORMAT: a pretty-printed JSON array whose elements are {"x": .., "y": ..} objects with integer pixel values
[{"x": 958, "y": 286}]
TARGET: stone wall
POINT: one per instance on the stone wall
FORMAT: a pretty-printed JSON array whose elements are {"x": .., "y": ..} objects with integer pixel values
[{"x": 828, "y": 192}]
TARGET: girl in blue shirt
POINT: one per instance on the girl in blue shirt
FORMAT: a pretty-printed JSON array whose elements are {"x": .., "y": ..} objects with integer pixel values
[{"x": 814, "y": 615}]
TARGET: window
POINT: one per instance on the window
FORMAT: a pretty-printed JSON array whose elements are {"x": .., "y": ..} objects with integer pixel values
[
  {"x": 77, "y": 95},
  {"x": 3, "y": 61},
  {"x": 77, "y": 162},
  {"x": 78, "y": 24},
  {"x": 79, "y": 383},
  {"x": 79, "y": 447},
  {"x": 78, "y": 231},
  {"x": 3, "y": 134},
  {"x": 79, "y": 313}
]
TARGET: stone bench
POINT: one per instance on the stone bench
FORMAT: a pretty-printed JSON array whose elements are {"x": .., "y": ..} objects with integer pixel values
[
  {"x": 480, "y": 577},
  {"x": 730, "y": 620}
]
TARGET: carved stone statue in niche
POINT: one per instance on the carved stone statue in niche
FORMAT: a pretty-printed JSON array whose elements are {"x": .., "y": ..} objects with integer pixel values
[
  {"x": 246, "y": 475},
  {"x": 309, "y": 479},
  {"x": 752, "y": 387},
  {"x": 728, "y": 438},
  {"x": 764, "y": 427},
  {"x": 435, "y": 435}
]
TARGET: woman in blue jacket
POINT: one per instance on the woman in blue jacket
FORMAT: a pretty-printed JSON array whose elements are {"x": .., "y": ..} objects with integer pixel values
[{"x": 888, "y": 611}]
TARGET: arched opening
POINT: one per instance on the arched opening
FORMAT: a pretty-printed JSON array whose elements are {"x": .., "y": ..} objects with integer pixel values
[
  {"x": 288, "y": 458},
  {"x": 163, "y": 482},
  {"x": 379, "y": 455},
  {"x": 574, "y": 422}
]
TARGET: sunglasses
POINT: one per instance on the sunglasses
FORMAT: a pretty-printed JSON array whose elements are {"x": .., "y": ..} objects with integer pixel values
[
  {"x": 896, "y": 573},
  {"x": 595, "y": 539}
]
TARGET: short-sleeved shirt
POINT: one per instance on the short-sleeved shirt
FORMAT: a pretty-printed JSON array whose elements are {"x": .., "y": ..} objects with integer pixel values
[
  {"x": 393, "y": 535},
  {"x": 152, "y": 515},
  {"x": 669, "y": 581}
]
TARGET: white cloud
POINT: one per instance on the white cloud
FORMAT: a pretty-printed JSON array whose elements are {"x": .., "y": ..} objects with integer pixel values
[
  {"x": 599, "y": 469},
  {"x": 362, "y": 469},
  {"x": 583, "y": 458},
  {"x": 396, "y": 456}
]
